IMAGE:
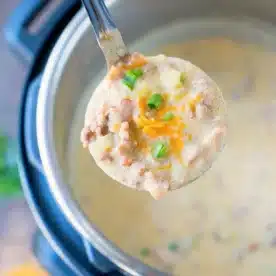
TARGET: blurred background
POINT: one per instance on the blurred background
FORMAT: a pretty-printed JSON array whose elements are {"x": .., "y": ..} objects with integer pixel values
[{"x": 16, "y": 222}]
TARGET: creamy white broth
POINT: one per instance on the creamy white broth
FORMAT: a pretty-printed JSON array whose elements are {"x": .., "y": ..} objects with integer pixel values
[{"x": 223, "y": 223}]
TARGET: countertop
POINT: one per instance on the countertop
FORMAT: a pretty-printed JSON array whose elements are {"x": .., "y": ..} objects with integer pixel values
[{"x": 17, "y": 224}]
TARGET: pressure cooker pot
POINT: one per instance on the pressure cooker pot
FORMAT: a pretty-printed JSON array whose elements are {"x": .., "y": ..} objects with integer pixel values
[{"x": 225, "y": 223}]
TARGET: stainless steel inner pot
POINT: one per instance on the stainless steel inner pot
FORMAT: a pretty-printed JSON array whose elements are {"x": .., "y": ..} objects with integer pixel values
[{"x": 76, "y": 59}]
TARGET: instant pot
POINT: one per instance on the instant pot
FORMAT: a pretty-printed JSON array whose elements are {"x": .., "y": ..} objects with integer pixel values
[
  {"x": 60, "y": 249},
  {"x": 62, "y": 56}
]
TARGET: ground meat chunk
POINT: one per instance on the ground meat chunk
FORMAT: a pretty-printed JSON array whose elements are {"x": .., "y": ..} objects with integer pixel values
[
  {"x": 97, "y": 127},
  {"x": 102, "y": 121},
  {"x": 126, "y": 109},
  {"x": 87, "y": 135},
  {"x": 106, "y": 156},
  {"x": 125, "y": 146}
]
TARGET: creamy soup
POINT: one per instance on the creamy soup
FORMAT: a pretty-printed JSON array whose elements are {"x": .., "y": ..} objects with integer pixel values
[
  {"x": 157, "y": 126},
  {"x": 225, "y": 223}
]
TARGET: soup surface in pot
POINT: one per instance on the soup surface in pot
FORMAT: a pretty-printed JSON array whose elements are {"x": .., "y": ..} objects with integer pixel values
[{"x": 225, "y": 223}]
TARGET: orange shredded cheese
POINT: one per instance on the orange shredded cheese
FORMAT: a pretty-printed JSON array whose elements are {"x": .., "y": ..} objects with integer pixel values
[
  {"x": 136, "y": 135},
  {"x": 142, "y": 103},
  {"x": 108, "y": 149},
  {"x": 134, "y": 64},
  {"x": 142, "y": 145},
  {"x": 136, "y": 60},
  {"x": 177, "y": 146},
  {"x": 151, "y": 132},
  {"x": 163, "y": 111},
  {"x": 157, "y": 127},
  {"x": 115, "y": 72}
]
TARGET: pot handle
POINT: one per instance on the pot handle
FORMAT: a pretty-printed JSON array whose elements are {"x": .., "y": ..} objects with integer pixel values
[
  {"x": 47, "y": 257},
  {"x": 32, "y": 23}
]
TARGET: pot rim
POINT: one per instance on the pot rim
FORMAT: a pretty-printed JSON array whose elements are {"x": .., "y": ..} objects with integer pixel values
[{"x": 44, "y": 118}]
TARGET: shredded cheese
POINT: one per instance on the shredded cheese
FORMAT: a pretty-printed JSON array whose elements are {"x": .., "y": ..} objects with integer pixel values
[
  {"x": 108, "y": 149},
  {"x": 116, "y": 71},
  {"x": 156, "y": 127}
]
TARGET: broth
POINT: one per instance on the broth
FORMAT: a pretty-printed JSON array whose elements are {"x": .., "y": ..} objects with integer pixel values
[{"x": 225, "y": 222}]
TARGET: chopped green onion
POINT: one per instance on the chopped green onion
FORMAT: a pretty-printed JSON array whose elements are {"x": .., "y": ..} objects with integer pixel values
[
  {"x": 138, "y": 72},
  {"x": 144, "y": 252},
  {"x": 168, "y": 116},
  {"x": 182, "y": 78},
  {"x": 131, "y": 77},
  {"x": 173, "y": 247},
  {"x": 128, "y": 83},
  {"x": 129, "y": 80},
  {"x": 155, "y": 101},
  {"x": 159, "y": 150}
]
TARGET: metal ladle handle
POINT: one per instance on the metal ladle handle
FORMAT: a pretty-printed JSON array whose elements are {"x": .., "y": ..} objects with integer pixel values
[{"x": 108, "y": 36}]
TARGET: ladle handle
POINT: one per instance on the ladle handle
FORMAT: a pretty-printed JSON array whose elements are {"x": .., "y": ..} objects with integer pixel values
[
  {"x": 99, "y": 16},
  {"x": 107, "y": 34}
]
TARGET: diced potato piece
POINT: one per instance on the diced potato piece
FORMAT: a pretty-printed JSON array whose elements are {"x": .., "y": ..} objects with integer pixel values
[
  {"x": 101, "y": 144},
  {"x": 170, "y": 79},
  {"x": 115, "y": 121}
]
